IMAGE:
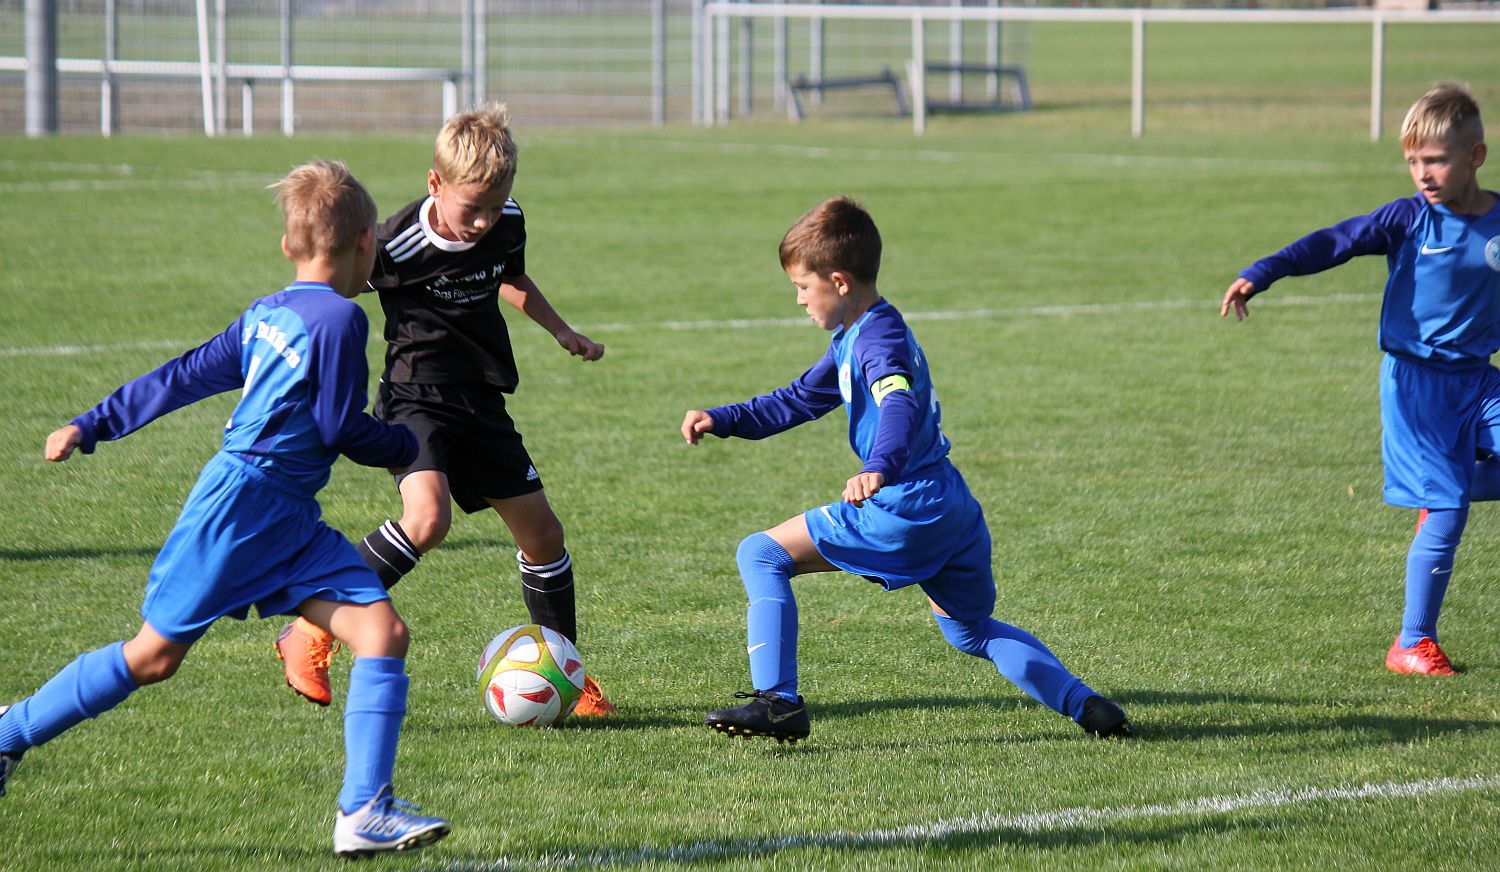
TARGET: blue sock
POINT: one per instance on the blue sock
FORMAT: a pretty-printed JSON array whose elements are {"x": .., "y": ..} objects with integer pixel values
[
  {"x": 771, "y": 620},
  {"x": 1429, "y": 566},
  {"x": 372, "y": 724},
  {"x": 86, "y": 688},
  {"x": 1486, "y": 483},
  {"x": 1022, "y": 659}
]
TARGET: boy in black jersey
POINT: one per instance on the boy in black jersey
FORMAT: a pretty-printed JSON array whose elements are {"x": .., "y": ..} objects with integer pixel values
[{"x": 443, "y": 263}]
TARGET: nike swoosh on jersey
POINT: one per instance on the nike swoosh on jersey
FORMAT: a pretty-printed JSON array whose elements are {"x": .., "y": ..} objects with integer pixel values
[{"x": 1426, "y": 250}]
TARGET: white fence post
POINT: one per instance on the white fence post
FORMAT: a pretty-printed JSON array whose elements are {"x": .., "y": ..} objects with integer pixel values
[
  {"x": 1137, "y": 75},
  {"x": 1377, "y": 74},
  {"x": 109, "y": 98},
  {"x": 288, "y": 100},
  {"x": 205, "y": 70},
  {"x": 916, "y": 75}
]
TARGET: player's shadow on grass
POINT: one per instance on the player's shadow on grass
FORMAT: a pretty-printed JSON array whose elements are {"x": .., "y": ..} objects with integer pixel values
[{"x": 24, "y": 555}]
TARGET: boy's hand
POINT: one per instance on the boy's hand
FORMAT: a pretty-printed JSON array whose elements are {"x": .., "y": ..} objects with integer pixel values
[
  {"x": 1238, "y": 296},
  {"x": 61, "y": 443},
  {"x": 579, "y": 345},
  {"x": 695, "y": 424},
  {"x": 862, "y": 487}
]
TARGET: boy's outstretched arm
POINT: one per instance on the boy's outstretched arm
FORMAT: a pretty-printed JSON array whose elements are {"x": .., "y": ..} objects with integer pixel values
[
  {"x": 812, "y": 395},
  {"x": 1238, "y": 297},
  {"x": 211, "y": 368},
  {"x": 522, "y": 293}
]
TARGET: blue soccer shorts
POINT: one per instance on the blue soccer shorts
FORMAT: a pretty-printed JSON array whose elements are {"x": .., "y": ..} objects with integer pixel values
[
  {"x": 927, "y": 531},
  {"x": 246, "y": 538},
  {"x": 1434, "y": 422}
]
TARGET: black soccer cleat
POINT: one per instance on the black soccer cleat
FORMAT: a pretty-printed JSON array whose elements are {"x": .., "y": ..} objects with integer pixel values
[
  {"x": 8, "y": 761},
  {"x": 766, "y": 714},
  {"x": 1103, "y": 718}
]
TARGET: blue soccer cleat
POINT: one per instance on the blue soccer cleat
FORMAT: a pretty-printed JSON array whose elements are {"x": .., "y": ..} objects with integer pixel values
[
  {"x": 8, "y": 761},
  {"x": 385, "y": 824}
]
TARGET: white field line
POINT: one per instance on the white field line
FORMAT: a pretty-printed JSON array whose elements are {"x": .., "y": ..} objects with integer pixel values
[
  {"x": 844, "y": 153},
  {"x": 990, "y": 824},
  {"x": 603, "y": 330}
]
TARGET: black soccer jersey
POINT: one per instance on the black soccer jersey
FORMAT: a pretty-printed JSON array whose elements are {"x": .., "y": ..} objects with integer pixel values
[{"x": 441, "y": 298}]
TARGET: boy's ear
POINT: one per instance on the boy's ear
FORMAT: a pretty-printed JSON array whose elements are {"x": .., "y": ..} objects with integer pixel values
[
  {"x": 841, "y": 282},
  {"x": 366, "y": 240},
  {"x": 1477, "y": 156},
  {"x": 285, "y": 249},
  {"x": 434, "y": 182}
]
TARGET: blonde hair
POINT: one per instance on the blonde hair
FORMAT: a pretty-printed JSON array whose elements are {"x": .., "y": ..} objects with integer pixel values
[
  {"x": 1447, "y": 113},
  {"x": 326, "y": 209},
  {"x": 476, "y": 147},
  {"x": 837, "y": 235}
]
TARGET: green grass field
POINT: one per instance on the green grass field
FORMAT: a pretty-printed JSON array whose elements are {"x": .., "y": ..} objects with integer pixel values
[{"x": 1186, "y": 509}]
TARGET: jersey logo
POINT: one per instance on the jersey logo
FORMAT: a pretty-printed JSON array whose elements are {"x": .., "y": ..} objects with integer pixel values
[
  {"x": 844, "y": 389},
  {"x": 1492, "y": 253},
  {"x": 1426, "y": 250}
]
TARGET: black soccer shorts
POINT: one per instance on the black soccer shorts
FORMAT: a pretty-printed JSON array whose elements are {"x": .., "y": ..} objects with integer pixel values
[{"x": 464, "y": 432}]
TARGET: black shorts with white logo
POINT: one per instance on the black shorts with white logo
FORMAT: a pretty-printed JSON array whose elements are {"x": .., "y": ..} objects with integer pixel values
[{"x": 465, "y": 433}]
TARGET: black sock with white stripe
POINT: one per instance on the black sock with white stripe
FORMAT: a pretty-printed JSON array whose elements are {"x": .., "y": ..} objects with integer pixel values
[
  {"x": 548, "y": 591},
  {"x": 389, "y": 552}
]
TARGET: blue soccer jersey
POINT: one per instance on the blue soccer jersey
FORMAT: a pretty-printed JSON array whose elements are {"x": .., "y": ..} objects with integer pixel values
[
  {"x": 299, "y": 356},
  {"x": 876, "y": 370},
  {"x": 1442, "y": 300}
]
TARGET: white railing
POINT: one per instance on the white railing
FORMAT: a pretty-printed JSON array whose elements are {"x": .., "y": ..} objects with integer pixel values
[{"x": 711, "y": 71}]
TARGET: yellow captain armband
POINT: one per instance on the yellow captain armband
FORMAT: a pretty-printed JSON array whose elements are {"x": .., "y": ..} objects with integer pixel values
[{"x": 888, "y": 384}]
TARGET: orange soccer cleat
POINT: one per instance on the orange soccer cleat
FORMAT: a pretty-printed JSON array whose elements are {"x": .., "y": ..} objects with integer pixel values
[
  {"x": 307, "y": 649},
  {"x": 593, "y": 704},
  {"x": 1423, "y": 658}
]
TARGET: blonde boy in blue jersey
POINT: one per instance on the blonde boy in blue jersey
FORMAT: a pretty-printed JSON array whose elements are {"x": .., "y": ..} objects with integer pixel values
[
  {"x": 1439, "y": 324},
  {"x": 250, "y": 532},
  {"x": 906, "y": 518}
]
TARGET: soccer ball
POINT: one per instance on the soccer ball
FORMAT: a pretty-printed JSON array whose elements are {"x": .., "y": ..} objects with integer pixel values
[{"x": 530, "y": 676}]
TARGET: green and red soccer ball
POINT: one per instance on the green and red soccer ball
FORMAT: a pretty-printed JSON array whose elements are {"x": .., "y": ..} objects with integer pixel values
[{"x": 530, "y": 676}]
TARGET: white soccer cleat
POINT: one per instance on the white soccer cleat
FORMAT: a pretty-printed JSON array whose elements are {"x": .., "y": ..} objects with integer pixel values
[{"x": 385, "y": 824}]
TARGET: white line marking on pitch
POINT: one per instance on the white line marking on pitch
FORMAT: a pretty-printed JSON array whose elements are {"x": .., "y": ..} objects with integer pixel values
[
  {"x": 991, "y": 824},
  {"x": 1207, "y": 305}
]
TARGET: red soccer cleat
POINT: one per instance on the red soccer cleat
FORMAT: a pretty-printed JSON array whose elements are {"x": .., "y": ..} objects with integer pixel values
[
  {"x": 1423, "y": 658},
  {"x": 307, "y": 650},
  {"x": 593, "y": 704}
]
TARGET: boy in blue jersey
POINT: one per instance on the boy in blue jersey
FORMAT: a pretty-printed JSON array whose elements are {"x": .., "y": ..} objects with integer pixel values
[
  {"x": 250, "y": 532},
  {"x": 1439, "y": 324},
  {"x": 906, "y": 518}
]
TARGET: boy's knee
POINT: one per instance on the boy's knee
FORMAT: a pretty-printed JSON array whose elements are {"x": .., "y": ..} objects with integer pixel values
[
  {"x": 153, "y": 668},
  {"x": 966, "y": 636},
  {"x": 380, "y": 636},
  {"x": 544, "y": 542},
  {"x": 427, "y": 529},
  {"x": 760, "y": 550}
]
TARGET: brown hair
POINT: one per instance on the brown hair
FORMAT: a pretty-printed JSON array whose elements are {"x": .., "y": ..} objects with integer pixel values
[
  {"x": 476, "y": 147},
  {"x": 1447, "y": 113},
  {"x": 326, "y": 209},
  {"x": 837, "y": 235}
]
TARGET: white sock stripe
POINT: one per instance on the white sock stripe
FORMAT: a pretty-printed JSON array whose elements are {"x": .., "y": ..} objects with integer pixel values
[
  {"x": 397, "y": 537},
  {"x": 547, "y": 570}
]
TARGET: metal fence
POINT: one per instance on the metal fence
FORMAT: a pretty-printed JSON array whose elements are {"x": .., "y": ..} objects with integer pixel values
[{"x": 352, "y": 65}]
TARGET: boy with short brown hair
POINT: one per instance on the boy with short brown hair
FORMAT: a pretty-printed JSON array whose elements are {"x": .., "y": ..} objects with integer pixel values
[{"x": 906, "y": 518}]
